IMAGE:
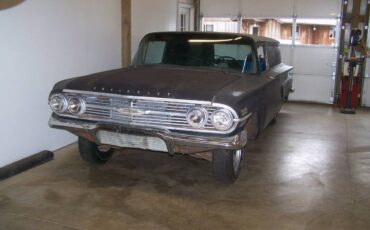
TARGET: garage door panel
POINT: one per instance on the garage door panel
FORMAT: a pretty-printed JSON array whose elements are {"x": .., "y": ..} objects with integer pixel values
[
  {"x": 311, "y": 88},
  {"x": 250, "y": 8},
  {"x": 318, "y": 8},
  {"x": 220, "y": 8},
  {"x": 286, "y": 54},
  {"x": 366, "y": 95},
  {"x": 267, "y": 8},
  {"x": 314, "y": 60}
]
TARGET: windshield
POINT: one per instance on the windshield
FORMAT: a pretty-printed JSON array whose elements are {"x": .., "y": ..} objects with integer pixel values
[{"x": 198, "y": 51}]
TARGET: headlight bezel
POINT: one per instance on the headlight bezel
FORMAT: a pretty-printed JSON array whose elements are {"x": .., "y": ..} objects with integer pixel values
[
  {"x": 204, "y": 121},
  {"x": 81, "y": 107},
  {"x": 230, "y": 120},
  {"x": 66, "y": 104},
  {"x": 64, "y": 101}
]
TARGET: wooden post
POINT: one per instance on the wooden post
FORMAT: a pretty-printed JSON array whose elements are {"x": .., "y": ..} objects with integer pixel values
[
  {"x": 6, "y": 4},
  {"x": 197, "y": 15},
  {"x": 126, "y": 33}
]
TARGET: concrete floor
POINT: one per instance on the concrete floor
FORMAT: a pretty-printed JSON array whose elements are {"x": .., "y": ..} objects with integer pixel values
[{"x": 311, "y": 170}]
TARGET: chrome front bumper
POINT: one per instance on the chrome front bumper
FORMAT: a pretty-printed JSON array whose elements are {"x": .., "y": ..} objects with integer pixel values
[{"x": 121, "y": 136}]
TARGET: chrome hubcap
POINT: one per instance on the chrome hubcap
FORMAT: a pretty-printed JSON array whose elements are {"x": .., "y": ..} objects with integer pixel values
[{"x": 237, "y": 159}]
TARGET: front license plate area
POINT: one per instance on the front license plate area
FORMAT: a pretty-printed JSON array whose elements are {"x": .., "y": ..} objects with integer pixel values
[{"x": 131, "y": 141}]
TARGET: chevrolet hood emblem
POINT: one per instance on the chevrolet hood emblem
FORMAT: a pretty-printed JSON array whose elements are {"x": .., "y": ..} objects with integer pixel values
[{"x": 130, "y": 111}]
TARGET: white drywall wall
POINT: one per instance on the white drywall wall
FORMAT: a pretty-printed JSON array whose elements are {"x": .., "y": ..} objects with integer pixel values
[
  {"x": 41, "y": 43},
  {"x": 151, "y": 16}
]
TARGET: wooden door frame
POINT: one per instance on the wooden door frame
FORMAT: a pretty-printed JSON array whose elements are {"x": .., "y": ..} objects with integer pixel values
[{"x": 126, "y": 32}]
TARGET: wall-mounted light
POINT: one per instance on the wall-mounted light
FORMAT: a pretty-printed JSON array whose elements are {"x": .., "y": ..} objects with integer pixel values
[{"x": 314, "y": 28}]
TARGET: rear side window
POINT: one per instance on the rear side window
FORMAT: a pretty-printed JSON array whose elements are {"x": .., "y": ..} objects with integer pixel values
[
  {"x": 268, "y": 56},
  {"x": 154, "y": 52},
  {"x": 263, "y": 63},
  {"x": 273, "y": 52},
  {"x": 239, "y": 52}
]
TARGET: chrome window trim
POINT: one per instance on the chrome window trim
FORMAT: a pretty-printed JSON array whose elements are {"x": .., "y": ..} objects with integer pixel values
[{"x": 236, "y": 119}]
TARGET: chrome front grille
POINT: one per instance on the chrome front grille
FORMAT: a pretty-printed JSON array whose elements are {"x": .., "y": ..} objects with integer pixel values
[{"x": 148, "y": 112}]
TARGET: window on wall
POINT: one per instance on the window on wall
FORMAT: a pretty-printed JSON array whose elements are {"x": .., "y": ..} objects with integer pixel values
[
  {"x": 316, "y": 31},
  {"x": 185, "y": 18},
  {"x": 297, "y": 34},
  {"x": 184, "y": 22},
  {"x": 230, "y": 25},
  {"x": 277, "y": 28},
  {"x": 209, "y": 28}
]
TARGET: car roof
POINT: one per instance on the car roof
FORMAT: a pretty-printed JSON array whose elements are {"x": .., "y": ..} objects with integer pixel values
[{"x": 254, "y": 38}]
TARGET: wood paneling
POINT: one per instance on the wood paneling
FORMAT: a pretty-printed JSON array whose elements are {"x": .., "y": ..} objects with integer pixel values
[
  {"x": 5, "y": 4},
  {"x": 126, "y": 33}
]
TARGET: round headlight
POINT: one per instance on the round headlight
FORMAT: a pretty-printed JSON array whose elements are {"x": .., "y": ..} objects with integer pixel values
[
  {"x": 197, "y": 117},
  {"x": 76, "y": 106},
  {"x": 222, "y": 120},
  {"x": 58, "y": 103}
]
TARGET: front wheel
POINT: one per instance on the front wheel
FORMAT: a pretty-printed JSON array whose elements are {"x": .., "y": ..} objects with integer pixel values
[
  {"x": 91, "y": 153},
  {"x": 227, "y": 165}
]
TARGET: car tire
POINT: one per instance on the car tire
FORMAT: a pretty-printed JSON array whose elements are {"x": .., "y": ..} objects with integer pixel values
[
  {"x": 90, "y": 152},
  {"x": 274, "y": 120},
  {"x": 227, "y": 165},
  {"x": 253, "y": 127}
]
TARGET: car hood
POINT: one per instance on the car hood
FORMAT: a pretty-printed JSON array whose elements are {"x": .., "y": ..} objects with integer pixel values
[{"x": 155, "y": 81}]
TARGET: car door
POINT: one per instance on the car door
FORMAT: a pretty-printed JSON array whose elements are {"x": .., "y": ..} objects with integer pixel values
[{"x": 272, "y": 90}]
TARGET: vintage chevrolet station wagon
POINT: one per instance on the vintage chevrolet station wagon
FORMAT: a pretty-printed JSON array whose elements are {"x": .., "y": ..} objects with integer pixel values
[{"x": 185, "y": 92}]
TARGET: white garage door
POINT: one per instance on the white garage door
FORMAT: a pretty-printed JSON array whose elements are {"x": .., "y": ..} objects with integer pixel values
[
  {"x": 314, "y": 64},
  {"x": 366, "y": 95},
  {"x": 269, "y": 8}
]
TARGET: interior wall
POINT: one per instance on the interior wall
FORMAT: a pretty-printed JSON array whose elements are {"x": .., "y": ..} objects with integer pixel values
[
  {"x": 41, "y": 43},
  {"x": 151, "y": 16}
]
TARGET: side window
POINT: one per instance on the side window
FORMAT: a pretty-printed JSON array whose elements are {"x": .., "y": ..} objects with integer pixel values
[
  {"x": 154, "y": 52},
  {"x": 238, "y": 56},
  {"x": 236, "y": 51},
  {"x": 263, "y": 62},
  {"x": 274, "y": 55}
]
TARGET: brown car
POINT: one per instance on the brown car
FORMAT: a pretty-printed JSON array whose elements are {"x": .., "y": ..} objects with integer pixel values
[{"x": 185, "y": 92}]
